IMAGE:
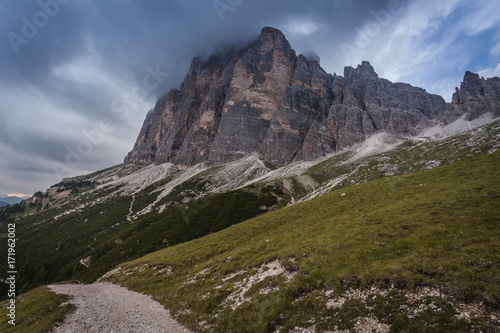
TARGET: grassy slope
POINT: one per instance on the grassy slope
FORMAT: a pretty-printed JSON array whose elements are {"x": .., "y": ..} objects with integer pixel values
[
  {"x": 50, "y": 250},
  {"x": 438, "y": 227},
  {"x": 36, "y": 311},
  {"x": 410, "y": 156}
]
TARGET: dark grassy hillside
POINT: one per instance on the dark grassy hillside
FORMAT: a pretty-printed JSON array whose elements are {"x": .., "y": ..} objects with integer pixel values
[
  {"x": 434, "y": 234},
  {"x": 53, "y": 246},
  {"x": 175, "y": 225}
]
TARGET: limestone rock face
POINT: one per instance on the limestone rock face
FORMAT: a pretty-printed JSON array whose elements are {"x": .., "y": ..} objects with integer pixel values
[
  {"x": 475, "y": 97},
  {"x": 264, "y": 100},
  {"x": 370, "y": 104}
]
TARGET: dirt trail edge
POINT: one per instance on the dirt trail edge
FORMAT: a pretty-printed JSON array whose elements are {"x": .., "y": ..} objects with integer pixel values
[{"x": 106, "y": 308}]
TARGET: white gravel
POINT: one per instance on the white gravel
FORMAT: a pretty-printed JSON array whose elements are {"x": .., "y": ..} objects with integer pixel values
[
  {"x": 458, "y": 126},
  {"x": 109, "y": 308}
]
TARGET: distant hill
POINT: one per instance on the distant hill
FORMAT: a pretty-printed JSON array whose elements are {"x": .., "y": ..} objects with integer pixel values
[{"x": 10, "y": 200}]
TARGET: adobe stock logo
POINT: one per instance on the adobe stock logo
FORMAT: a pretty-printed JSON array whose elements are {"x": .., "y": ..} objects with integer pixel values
[
  {"x": 30, "y": 28},
  {"x": 223, "y": 6},
  {"x": 372, "y": 29}
]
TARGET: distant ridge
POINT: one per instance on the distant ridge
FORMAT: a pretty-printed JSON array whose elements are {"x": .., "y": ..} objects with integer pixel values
[{"x": 10, "y": 200}]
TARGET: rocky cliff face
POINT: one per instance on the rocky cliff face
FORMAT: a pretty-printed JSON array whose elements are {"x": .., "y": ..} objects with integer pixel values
[
  {"x": 475, "y": 97},
  {"x": 266, "y": 100}
]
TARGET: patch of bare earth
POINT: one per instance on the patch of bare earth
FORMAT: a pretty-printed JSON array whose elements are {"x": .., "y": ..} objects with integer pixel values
[
  {"x": 106, "y": 308},
  {"x": 273, "y": 268}
]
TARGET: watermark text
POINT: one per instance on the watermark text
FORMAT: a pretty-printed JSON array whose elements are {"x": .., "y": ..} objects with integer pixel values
[
  {"x": 31, "y": 27},
  {"x": 223, "y": 6},
  {"x": 11, "y": 273},
  {"x": 372, "y": 29}
]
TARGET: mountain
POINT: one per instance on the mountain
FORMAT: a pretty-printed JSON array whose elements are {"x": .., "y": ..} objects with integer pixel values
[
  {"x": 10, "y": 200},
  {"x": 264, "y": 100},
  {"x": 282, "y": 196},
  {"x": 2, "y": 203},
  {"x": 475, "y": 97}
]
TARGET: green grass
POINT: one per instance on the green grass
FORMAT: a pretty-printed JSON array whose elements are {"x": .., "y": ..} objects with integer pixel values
[
  {"x": 439, "y": 227},
  {"x": 49, "y": 250},
  {"x": 409, "y": 156},
  {"x": 36, "y": 311},
  {"x": 367, "y": 237},
  {"x": 98, "y": 229}
]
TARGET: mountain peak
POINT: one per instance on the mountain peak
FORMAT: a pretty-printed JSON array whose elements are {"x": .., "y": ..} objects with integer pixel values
[
  {"x": 471, "y": 81},
  {"x": 267, "y": 32},
  {"x": 272, "y": 39},
  {"x": 475, "y": 97},
  {"x": 365, "y": 70}
]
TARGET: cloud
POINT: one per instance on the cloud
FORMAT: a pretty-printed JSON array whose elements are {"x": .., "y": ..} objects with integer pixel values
[
  {"x": 490, "y": 72},
  {"x": 427, "y": 44},
  {"x": 402, "y": 34},
  {"x": 495, "y": 51},
  {"x": 483, "y": 15},
  {"x": 298, "y": 27},
  {"x": 414, "y": 40},
  {"x": 94, "y": 54}
]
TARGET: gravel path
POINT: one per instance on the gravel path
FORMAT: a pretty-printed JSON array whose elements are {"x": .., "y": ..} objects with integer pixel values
[{"x": 109, "y": 308}]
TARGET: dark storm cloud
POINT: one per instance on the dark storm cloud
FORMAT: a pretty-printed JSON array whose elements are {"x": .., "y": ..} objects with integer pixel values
[
  {"x": 64, "y": 79},
  {"x": 58, "y": 40},
  {"x": 90, "y": 54},
  {"x": 129, "y": 34}
]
